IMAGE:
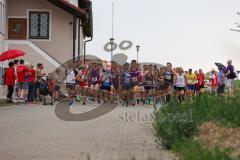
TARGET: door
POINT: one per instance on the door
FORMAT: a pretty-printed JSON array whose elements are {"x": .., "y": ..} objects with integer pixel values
[{"x": 17, "y": 28}]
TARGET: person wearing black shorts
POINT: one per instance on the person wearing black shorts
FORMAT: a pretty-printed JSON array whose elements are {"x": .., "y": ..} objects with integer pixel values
[
  {"x": 126, "y": 83},
  {"x": 180, "y": 84}
]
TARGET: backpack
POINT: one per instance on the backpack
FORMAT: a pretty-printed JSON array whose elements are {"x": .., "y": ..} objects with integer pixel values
[{"x": 233, "y": 74}]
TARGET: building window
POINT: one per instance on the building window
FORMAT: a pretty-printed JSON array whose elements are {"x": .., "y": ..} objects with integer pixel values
[
  {"x": 38, "y": 25},
  {"x": 2, "y": 18}
]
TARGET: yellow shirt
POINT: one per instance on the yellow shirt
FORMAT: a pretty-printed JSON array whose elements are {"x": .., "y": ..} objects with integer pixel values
[{"x": 191, "y": 78}]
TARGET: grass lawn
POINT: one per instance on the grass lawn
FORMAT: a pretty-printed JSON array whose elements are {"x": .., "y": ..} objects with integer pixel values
[
  {"x": 177, "y": 125},
  {"x": 237, "y": 84}
]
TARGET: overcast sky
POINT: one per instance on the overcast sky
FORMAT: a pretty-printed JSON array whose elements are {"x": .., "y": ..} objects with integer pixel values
[{"x": 189, "y": 33}]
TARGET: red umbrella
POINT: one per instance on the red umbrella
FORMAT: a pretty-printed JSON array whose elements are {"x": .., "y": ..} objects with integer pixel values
[{"x": 11, "y": 54}]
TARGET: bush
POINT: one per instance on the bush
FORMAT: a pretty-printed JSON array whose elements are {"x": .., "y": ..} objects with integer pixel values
[{"x": 177, "y": 123}]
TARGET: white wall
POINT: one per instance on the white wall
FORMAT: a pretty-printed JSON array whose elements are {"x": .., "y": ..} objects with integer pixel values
[
  {"x": 1, "y": 43},
  {"x": 2, "y": 37}
]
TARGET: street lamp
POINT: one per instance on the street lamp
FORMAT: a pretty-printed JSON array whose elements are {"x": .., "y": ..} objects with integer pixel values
[
  {"x": 112, "y": 43},
  {"x": 138, "y": 48}
]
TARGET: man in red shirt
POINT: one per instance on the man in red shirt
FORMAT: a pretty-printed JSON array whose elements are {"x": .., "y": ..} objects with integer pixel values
[
  {"x": 16, "y": 64},
  {"x": 22, "y": 83},
  {"x": 31, "y": 83},
  {"x": 10, "y": 81}
]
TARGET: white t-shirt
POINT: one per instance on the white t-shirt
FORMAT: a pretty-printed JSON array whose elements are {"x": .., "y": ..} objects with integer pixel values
[
  {"x": 180, "y": 82},
  {"x": 70, "y": 78}
]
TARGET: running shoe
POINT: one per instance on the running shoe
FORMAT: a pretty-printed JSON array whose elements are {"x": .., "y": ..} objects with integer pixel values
[{"x": 71, "y": 102}]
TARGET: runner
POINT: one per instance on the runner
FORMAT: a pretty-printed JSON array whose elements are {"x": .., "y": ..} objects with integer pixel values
[
  {"x": 191, "y": 79},
  {"x": 115, "y": 73},
  {"x": 94, "y": 79},
  {"x": 70, "y": 82},
  {"x": 181, "y": 82},
  {"x": 169, "y": 79},
  {"x": 201, "y": 81},
  {"x": 148, "y": 82},
  {"x": 135, "y": 80},
  {"x": 106, "y": 85},
  {"x": 126, "y": 84}
]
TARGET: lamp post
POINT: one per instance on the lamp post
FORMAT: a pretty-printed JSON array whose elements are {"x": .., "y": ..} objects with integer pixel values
[
  {"x": 138, "y": 48},
  {"x": 112, "y": 43}
]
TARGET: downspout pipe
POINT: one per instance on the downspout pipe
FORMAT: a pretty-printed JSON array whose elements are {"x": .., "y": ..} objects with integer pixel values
[
  {"x": 84, "y": 56},
  {"x": 74, "y": 37},
  {"x": 79, "y": 39}
]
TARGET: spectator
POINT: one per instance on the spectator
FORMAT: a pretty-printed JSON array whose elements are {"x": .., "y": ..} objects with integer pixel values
[
  {"x": 16, "y": 64},
  {"x": 39, "y": 76},
  {"x": 10, "y": 81},
  {"x": 214, "y": 82},
  {"x": 70, "y": 82},
  {"x": 22, "y": 84},
  {"x": 221, "y": 82},
  {"x": 230, "y": 77},
  {"x": 57, "y": 85},
  {"x": 31, "y": 83}
]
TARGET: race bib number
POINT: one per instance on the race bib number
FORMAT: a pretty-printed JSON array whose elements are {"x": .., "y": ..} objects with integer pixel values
[
  {"x": 94, "y": 79},
  {"x": 149, "y": 82},
  {"x": 84, "y": 77},
  {"x": 181, "y": 80},
  {"x": 168, "y": 77},
  {"x": 127, "y": 80},
  {"x": 134, "y": 79},
  {"x": 107, "y": 81},
  {"x": 114, "y": 76},
  {"x": 190, "y": 81}
]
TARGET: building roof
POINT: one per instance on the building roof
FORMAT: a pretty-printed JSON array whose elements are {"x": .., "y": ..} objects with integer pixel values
[
  {"x": 84, "y": 11},
  {"x": 69, "y": 7}
]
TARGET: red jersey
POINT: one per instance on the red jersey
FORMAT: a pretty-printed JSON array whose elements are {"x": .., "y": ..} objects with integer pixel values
[
  {"x": 214, "y": 80},
  {"x": 83, "y": 77},
  {"x": 21, "y": 73},
  {"x": 31, "y": 75},
  {"x": 201, "y": 79},
  {"x": 10, "y": 77}
]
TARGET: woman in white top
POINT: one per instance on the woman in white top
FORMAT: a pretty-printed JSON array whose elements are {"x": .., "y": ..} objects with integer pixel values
[{"x": 180, "y": 84}]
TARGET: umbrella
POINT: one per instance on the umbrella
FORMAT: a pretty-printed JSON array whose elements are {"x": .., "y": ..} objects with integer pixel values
[
  {"x": 11, "y": 54},
  {"x": 220, "y": 65}
]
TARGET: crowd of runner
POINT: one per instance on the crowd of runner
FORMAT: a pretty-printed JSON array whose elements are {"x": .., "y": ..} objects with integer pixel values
[
  {"x": 129, "y": 84},
  {"x": 132, "y": 84}
]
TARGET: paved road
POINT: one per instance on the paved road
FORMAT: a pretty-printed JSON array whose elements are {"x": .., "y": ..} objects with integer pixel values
[{"x": 33, "y": 132}]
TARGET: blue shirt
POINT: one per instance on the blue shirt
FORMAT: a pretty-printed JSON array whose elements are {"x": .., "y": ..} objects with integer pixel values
[{"x": 220, "y": 77}]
